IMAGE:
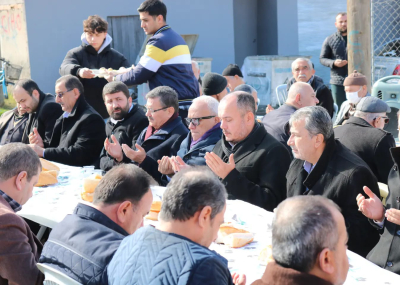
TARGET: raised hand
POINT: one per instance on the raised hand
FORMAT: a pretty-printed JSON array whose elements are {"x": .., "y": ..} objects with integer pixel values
[
  {"x": 372, "y": 207},
  {"x": 393, "y": 215},
  {"x": 114, "y": 148},
  {"x": 177, "y": 163},
  {"x": 164, "y": 166},
  {"x": 86, "y": 73},
  {"x": 136, "y": 155},
  {"x": 35, "y": 138},
  {"x": 220, "y": 168}
]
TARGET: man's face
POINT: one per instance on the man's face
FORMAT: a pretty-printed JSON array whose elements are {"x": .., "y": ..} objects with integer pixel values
[
  {"x": 117, "y": 105},
  {"x": 300, "y": 141},
  {"x": 301, "y": 71},
  {"x": 233, "y": 122},
  {"x": 68, "y": 98},
  {"x": 158, "y": 118},
  {"x": 95, "y": 39},
  {"x": 25, "y": 101},
  {"x": 341, "y": 23},
  {"x": 340, "y": 255},
  {"x": 309, "y": 98},
  {"x": 211, "y": 233},
  {"x": 362, "y": 91},
  {"x": 199, "y": 110},
  {"x": 27, "y": 187},
  {"x": 149, "y": 24},
  {"x": 139, "y": 211},
  {"x": 379, "y": 121}
]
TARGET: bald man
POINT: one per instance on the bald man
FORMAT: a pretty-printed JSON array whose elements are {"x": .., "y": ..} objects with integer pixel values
[{"x": 300, "y": 95}]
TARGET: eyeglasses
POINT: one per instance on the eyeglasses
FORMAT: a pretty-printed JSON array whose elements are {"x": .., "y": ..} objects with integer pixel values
[
  {"x": 153, "y": 111},
  {"x": 383, "y": 117},
  {"x": 61, "y": 94},
  {"x": 196, "y": 121}
]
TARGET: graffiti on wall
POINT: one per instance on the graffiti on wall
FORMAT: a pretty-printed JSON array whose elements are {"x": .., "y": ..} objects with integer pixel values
[{"x": 10, "y": 21}]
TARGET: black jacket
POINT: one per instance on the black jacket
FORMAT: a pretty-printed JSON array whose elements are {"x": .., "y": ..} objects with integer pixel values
[
  {"x": 276, "y": 123},
  {"x": 322, "y": 92},
  {"x": 8, "y": 132},
  {"x": 261, "y": 164},
  {"x": 371, "y": 144},
  {"x": 165, "y": 142},
  {"x": 126, "y": 131},
  {"x": 386, "y": 253},
  {"x": 340, "y": 176},
  {"x": 334, "y": 47},
  {"x": 82, "y": 245},
  {"x": 46, "y": 115},
  {"x": 78, "y": 139},
  {"x": 86, "y": 56}
]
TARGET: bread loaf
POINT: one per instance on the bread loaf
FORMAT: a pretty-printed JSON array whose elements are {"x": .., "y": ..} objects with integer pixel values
[
  {"x": 236, "y": 240},
  {"x": 47, "y": 165},
  {"x": 154, "y": 211},
  {"x": 47, "y": 178},
  {"x": 89, "y": 184}
]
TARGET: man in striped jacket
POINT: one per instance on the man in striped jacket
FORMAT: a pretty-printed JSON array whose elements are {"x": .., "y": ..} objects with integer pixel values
[{"x": 166, "y": 61}]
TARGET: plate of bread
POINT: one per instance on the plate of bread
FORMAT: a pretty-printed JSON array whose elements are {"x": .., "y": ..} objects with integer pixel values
[
  {"x": 89, "y": 184},
  {"x": 106, "y": 71},
  {"x": 49, "y": 173}
]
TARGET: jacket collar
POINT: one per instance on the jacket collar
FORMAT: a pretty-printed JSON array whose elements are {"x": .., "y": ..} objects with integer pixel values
[
  {"x": 359, "y": 122},
  {"x": 395, "y": 152},
  {"x": 168, "y": 128},
  {"x": 95, "y": 215},
  {"x": 132, "y": 111},
  {"x": 214, "y": 137},
  {"x": 163, "y": 28},
  {"x": 80, "y": 104},
  {"x": 278, "y": 275}
]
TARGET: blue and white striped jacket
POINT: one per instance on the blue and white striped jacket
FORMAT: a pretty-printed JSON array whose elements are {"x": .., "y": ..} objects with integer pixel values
[{"x": 166, "y": 62}]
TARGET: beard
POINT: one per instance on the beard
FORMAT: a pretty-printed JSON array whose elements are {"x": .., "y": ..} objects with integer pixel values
[
  {"x": 122, "y": 114},
  {"x": 343, "y": 30}
]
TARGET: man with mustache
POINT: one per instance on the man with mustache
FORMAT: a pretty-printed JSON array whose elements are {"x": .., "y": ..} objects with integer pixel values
[
  {"x": 303, "y": 71},
  {"x": 124, "y": 125}
]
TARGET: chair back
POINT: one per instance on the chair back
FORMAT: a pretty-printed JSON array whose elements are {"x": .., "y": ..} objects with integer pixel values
[
  {"x": 55, "y": 277},
  {"x": 281, "y": 94}
]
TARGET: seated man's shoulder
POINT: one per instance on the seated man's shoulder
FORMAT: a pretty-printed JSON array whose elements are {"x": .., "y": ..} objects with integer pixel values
[{"x": 9, "y": 219}]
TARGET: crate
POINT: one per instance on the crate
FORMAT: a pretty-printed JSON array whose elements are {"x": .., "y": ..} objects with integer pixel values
[{"x": 13, "y": 71}]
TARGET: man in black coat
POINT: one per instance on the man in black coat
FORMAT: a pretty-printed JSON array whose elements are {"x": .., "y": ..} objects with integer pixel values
[
  {"x": 363, "y": 134},
  {"x": 79, "y": 133},
  {"x": 12, "y": 125},
  {"x": 125, "y": 124},
  {"x": 94, "y": 53},
  {"x": 162, "y": 137},
  {"x": 42, "y": 109},
  {"x": 303, "y": 71},
  {"x": 323, "y": 166},
  {"x": 250, "y": 162}
]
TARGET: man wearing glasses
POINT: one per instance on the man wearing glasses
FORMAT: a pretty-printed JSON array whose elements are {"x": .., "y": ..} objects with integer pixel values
[
  {"x": 162, "y": 137},
  {"x": 79, "y": 133},
  {"x": 363, "y": 134},
  {"x": 205, "y": 132}
]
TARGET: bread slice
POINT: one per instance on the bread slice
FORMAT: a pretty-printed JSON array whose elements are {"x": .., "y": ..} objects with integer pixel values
[
  {"x": 89, "y": 184},
  {"x": 47, "y": 178},
  {"x": 236, "y": 240},
  {"x": 47, "y": 165}
]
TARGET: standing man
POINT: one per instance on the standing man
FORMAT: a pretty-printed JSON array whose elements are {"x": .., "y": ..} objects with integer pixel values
[
  {"x": 94, "y": 53},
  {"x": 166, "y": 60},
  {"x": 334, "y": 56}
]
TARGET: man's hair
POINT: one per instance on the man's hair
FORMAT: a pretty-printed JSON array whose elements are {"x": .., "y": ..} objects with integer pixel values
[
  {"x": 302, "y": 227},
  {"x": 17, "y": 157},
  {"x": 168, "y": 96},
  {"x": 309, "y": 62},
  {"x": 367, "y": 116},
  {"x": 125, "y": 182},
  {"x": 341, "y": 14},
  {"x": 317, "y": 121},
  {"x": 28, "y": 85},
  {"x": 245, "y": 102},
  {"x": 154, "y": 8},
  {"x": 95, "y": 24},
  {"x": 211, "y": 102},
  {"x": 189, "y": 191},
  {"x": 245, "y": 88},
  {"x": 71, "y": 82},
  {"x": 115, "y": 87}
]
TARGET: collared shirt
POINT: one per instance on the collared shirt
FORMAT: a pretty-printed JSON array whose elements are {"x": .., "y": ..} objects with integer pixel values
[
  {"x": 311, "y": 79},
  {"x": 14, "y": 204},
  {"x": 308, "y": 166},
  {"x": 116, "y": 121},
  {"x": 66, "y": 114}
]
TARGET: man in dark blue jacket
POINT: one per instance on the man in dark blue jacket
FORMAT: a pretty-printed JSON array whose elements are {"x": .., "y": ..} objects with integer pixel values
[
  {"x": 176, "y": 252},
  {"x": 82, "y": 245},
  {"x": 166, "y": 60},
  {"x": 205, "y": 132}
]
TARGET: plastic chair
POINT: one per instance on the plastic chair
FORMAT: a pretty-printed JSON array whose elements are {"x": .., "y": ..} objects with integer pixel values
[
  {"x": 281, "y": 93},
  {"x": 335, "y": 111},
  {"x": 384, "y": 192},
  {"x": 54, "y": 277}
]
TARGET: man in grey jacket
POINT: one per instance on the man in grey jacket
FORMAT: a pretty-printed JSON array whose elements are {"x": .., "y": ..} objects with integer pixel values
[{"x": 334, "y": 56}]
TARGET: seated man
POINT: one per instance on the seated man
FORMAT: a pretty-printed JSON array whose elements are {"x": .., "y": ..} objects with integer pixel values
[
  {"x": 303, "y": 71},
  {"x": 19, "y": 247},
  {"x": 355, "y": 86},
  {"x": 233, "y": 75},
  {"x": 125, "y": 124},
  {"x": 162, "y": 137},
  {"x": 250, "y": 162},
  {"x": 249, "y": 89},
  {"x": 42, "y": 109},
  {"x": 79, "y": 133},
  {"x": 363, "y": 134},
  {"x": 276, "y": 122},
  {"x": 323, "y": 166},
  {"x": 205, "y": 132},
  {"x": 82, "y": 245},
  {"x": 192, "y": 211},
  {"x": 214, "y": 85},
  {"x": 12, "y": 125},
  {"x": 309, "y": 243}
]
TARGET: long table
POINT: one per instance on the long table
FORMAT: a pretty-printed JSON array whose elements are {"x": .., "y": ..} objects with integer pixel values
[{"x": 49, "y": 205}]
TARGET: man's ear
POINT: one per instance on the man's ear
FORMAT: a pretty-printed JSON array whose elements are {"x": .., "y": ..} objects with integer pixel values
[
  {"x": 313, "y": 71},
  {"x": 36, "y": 94},
  {"x": 319, "y": 140},
  {"x": 130, "y": 101},
  {"x": 326, "y": 261},
  {"x": 21, "y": 180},
  {"x": 76, "y": 93},
  {"x": 204, "y": 216},
  {"x": 123, "y": 211},
  {"x": 297, "y": 99}
]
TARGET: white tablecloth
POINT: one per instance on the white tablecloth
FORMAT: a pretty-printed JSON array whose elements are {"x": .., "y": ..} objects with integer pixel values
[{"x": 49, "y": 205}]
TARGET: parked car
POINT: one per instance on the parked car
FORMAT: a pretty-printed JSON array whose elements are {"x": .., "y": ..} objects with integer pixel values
[{"x": 387, "y": 59}]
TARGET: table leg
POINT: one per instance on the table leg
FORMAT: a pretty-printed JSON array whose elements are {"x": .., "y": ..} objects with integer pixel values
[{"x": 41, "y": 232}]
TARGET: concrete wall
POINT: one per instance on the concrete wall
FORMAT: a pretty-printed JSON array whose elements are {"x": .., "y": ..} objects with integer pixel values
[{"x": 54, "y": 27}]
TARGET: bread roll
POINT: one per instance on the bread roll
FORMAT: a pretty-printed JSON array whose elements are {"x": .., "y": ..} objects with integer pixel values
[
  {"x": 47, "y": 165},
  {"x": 89, "y": 184},
  {"x": 156, "y": 206},
  {"x": 47, "y": 178},
  {"x": 152, "y": 216},
  {"x": 228, "y": 228},
  {"x": 236, "y": 240},
  {"x": 266, "y": 255}
]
